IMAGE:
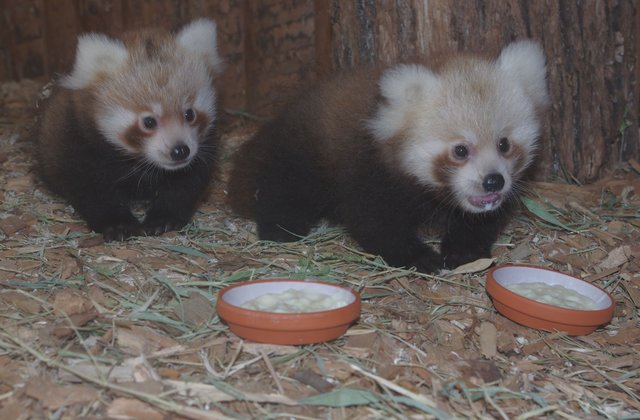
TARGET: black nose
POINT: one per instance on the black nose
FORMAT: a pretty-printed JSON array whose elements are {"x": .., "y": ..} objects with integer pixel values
[
  {"x": 180, "y": 152},
  {"x": 493, "y": 182}
]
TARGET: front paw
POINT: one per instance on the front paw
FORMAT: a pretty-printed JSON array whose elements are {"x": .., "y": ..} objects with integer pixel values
[
  {"x": 121, "y": 231},
  {"x": 428, "y": 264},
  {"x": 453, "y": 260},
  {"x": 158, "y": 226}
]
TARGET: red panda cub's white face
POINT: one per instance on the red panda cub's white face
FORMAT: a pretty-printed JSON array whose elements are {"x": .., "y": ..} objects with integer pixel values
[
  {"x": 152, "y": 95},
  {"x": 469, "y": 130}
]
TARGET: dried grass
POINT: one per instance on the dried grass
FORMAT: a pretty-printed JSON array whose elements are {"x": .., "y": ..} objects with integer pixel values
[{"x": 129, "y": 330}]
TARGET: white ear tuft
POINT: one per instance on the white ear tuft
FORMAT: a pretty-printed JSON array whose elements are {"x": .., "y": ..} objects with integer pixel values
[
  {"x": 403, "y": 87},
  {"x": 96, "y": 53},
  {"x": 408, "y": 83},
  {"x": 199, "y": 37},
  {"x": 525, "y": 61}
]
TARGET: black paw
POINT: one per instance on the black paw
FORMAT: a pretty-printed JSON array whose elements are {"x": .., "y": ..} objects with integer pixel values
[
  {"x": 159, "y": 226},
  {"x": 428, "y": 264},
  {"x": 120, "y": 232}
]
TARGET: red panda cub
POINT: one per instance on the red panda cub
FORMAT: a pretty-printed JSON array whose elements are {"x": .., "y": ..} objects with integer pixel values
[
  {"x": 385, "y": 152},
  {"x": 134, "y": 122}
]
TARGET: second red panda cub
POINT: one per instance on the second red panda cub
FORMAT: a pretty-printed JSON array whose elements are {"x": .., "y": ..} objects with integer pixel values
[
  {"x": 385, "y": 152},
  {"x": 134, "y": 122}
]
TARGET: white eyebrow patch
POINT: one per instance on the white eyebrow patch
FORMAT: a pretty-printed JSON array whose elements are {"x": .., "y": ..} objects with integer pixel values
[{"x": 113, "y": 122}]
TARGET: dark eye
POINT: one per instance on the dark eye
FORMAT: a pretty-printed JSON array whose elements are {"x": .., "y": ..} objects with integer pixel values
[
  {"x": 189, "y": 115},
  {"x": 460, "y": 151},
  {"x": 150, "y": 123},
  {"x": 504, "y": 145}
]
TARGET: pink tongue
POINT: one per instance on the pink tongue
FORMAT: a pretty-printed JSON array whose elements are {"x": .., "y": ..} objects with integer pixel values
[{"x": 483, "y": 200}]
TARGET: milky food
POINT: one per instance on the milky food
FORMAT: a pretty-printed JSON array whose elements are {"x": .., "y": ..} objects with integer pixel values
[
  {"x": 553, "y": 294},
  {"x": 296, "y": 300}
]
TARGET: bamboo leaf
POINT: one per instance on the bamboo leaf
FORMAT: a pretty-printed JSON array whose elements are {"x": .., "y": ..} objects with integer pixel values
[
  {"x": 156, "y": 317},
  {"x": 342, "y": 397},
  {"x": 474, "y": 266},
  {"x": 180, "y": 249},
  {"x": 420, "y": 406},
  {"x": 541, "y": 212}
]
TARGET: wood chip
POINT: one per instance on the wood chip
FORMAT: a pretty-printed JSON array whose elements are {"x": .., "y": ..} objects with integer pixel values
[
  {"x": 20, "y": 184},
  {"x": 12, "y": 224},
  {"x": 198, "y": 310},
  {"x": 15, "y": 409},
  {"x": 54, "y": 397},
  {"x": 139, "y": 340},
  {"x": 619, "y": 256},
  {"x": 63, "y": 329},
  {"x": 488, "y": 340},
  {"x": 480, "y": 372},
  {"x": 128, "y": 408},
  {"x": 312, "y": 379},
  {"x": 606, "y": 237},
  {"x": 21, "y": 301},
  {"x": 71, "y": 302},
  {"x": 626, "y": 335}
]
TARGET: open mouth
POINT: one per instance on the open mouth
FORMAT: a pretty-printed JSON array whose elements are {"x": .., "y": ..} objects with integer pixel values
[{"x": 486, "y": 202}]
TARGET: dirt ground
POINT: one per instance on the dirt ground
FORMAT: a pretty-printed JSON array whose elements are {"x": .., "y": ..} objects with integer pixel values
[{"x": 129, "y": 330}]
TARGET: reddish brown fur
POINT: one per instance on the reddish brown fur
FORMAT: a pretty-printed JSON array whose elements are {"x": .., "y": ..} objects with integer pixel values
[
  {"x": 443, "y": 166},
  {"x": 339, "y": 108},
  {"x": 519, "y": 156},
  {"x": 135, "y": 137}
]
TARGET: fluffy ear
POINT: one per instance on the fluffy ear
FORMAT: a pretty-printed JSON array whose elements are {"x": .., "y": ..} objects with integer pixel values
[
  {"x": 403, "y": 87},
  {"x": 96, "y": 54},
  {"x": 199, "y": 37},
  {"x": 525, "y": 61},
  {"x": 408, "y": 83}
]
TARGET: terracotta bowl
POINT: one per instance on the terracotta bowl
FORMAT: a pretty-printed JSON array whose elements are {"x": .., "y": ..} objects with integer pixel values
[
  {"x": 544, "y": 316},
  {"x": 286, "y": 328}
]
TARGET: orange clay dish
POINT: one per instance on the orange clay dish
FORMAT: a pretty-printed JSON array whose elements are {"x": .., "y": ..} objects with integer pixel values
[
  {"x": 281, "y": 320},
  {"x": 575, "y": 306}
]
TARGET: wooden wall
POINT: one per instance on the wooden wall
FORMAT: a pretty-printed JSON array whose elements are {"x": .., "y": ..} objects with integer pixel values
[{"x": 271, "y": 47}]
